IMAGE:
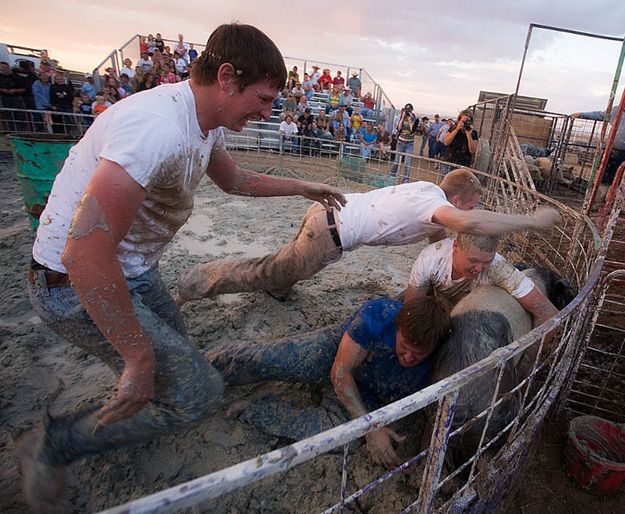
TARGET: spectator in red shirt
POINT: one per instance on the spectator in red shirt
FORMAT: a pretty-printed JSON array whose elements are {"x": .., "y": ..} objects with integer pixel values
[
  {"x": 368, "y": 106},
  {"x": 325, "y": 80},
  {"x": 338, "y": 80}
]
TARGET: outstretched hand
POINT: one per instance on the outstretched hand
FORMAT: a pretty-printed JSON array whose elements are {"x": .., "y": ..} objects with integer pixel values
[
  {"x": 326, "y": 195},
  {"x": 546, "y": 218},
  {"x": 134, "y": 389},
  {"x": 380, "y": 446}
]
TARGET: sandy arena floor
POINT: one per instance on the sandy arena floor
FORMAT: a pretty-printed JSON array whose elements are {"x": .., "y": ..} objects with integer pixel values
[{"x": 38, "y": 370}]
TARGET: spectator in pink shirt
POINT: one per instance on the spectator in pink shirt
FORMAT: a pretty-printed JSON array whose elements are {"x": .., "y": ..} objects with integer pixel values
[{"x": 167, "y": 76}]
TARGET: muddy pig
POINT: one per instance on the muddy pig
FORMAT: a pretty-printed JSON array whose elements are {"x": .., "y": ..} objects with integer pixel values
[{"x": 486, "y": 319}]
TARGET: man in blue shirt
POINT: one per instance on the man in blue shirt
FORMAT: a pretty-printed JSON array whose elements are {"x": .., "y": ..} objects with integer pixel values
[
  {"x": 340, "y": 116},
  {"x": 379, "y": 355},
  {"x": 41, "y": 92},
  {"x": 41, "y": 97},
  {"x": 89, "y": 87},
  {"x": 432, "y": 129}
]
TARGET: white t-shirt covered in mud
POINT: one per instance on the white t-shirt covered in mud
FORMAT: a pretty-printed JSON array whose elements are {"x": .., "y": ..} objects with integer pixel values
[
  {"x": 433, "y": 268},
  {"x": 394, "y": 215},
  {"x": 156, "y": 138}
]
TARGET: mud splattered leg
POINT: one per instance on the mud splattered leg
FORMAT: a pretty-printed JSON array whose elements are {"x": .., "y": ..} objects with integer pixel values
[{"x": 43, "y": 483}]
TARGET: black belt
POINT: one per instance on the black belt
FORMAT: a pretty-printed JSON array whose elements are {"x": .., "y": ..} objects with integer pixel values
[
  {"x": 52, "y": 278},
  {"x": 333, "y": 232}
]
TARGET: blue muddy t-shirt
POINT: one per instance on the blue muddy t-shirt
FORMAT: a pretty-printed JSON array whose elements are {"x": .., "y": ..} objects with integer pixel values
[{"x": 381, "y": 378}]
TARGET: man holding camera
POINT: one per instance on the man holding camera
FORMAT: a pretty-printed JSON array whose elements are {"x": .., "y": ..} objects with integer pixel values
[
  {"x": 461, "y": 141},
  {"x": 406, "y": 131}
]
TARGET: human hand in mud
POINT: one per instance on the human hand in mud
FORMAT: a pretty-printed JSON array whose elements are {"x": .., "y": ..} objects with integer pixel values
[
  {"x": 380, "y": 446},
  {"x": 326, "y": 195},
  {"x": 134, "y": 389},
  {"x": 546, "y": 218}
]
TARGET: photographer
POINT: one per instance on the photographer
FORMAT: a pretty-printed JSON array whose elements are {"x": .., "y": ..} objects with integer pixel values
[
  {"x": 461, "y": 141},
  {"x": 406, "y": 131}
]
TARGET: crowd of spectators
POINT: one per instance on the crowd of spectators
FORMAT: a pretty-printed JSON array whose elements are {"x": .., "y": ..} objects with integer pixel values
[
  {"x": 314, "y": 108},
  {"x": 27, "y": 88},
  {"x": 340, "y": 113},
  {"x": 50, "y": 90},
  {"x": 323, "y": 108}
]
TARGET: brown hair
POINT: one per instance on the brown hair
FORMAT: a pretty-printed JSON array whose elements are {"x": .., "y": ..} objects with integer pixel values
[
  {"x": 464, "y": 113},
  {"x": 424, "y": 321},
  {"x": 483, "y": 243},
  {"x": 461, "y": 182},
  {"x": 252, "y": 54}
]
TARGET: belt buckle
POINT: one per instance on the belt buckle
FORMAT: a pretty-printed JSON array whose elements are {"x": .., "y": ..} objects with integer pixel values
[
  {"x": 32, "y": 278},
  {"x": 51, "y": 278}
]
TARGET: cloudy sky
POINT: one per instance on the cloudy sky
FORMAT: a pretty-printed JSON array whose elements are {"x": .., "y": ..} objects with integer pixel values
[{"x": 437, "y": 55}]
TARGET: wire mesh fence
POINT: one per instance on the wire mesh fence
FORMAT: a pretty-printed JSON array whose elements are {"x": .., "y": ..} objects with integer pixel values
[
  {"x": 506, "y": 416},
  {"x": 49, "y": 122},
  {"x": 599, "y": 386},
  {"x": 556, "y": 150}
]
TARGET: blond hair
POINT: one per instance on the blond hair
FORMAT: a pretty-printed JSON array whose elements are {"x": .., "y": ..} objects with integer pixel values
[
  {"x": 483, "y": 243},
  {"x": 461, "y": 182}
]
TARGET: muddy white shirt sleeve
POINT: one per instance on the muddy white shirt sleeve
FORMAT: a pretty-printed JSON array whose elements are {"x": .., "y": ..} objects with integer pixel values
[
  {"x": 140, "y": 143},
  {"x": 433, "y": 266},
  {"x": 503, "y": 274}
]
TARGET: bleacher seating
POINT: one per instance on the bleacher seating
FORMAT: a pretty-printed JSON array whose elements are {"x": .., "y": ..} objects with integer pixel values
[{"x": 264, "y": 134}]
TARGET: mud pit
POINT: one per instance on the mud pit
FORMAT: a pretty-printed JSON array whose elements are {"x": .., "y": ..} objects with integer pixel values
[{"x": 39, "y": 369}]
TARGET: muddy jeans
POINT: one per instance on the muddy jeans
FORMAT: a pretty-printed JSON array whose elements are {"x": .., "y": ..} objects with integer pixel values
[
  {"x": 303, "y": 359},
  {"x": 187, "y": 387},
  {"x": 309, "y": 252}
]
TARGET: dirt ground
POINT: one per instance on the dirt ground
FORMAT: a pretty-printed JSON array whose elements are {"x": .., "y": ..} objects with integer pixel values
[{"x": 39, "y": 371}]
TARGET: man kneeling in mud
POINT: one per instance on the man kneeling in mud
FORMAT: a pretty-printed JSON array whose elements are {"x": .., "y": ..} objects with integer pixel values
[{"x": 379, "y": 355}]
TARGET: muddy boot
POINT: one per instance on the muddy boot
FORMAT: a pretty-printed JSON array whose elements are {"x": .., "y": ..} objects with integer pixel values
[{"x": 43, "y": 483}]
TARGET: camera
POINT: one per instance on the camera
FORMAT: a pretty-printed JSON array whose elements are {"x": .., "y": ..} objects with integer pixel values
[{"x": 467, "y": 124}]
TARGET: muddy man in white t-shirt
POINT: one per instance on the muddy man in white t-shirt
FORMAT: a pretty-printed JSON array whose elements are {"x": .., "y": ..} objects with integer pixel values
[
  {"x": 394, "y": 215},
  {"x": 454, "y": 267},
  {"x": 124, "y": 191}
]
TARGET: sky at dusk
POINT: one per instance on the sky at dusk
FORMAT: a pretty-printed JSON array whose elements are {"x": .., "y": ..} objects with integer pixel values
[{"x": 436, "y": 55}]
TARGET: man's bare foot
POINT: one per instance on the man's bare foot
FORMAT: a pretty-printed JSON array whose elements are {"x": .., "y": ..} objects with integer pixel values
[{"x": 43, "y": 484}]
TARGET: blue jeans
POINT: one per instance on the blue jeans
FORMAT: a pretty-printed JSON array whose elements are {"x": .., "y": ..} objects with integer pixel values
[
  {"x": 403, "y": 147},
  {"x": 291, "y": 143},
  {"x": 440, "y": 149},
  {"x": 424, "y": 141},
  {"x": 187, "y": 387},
  {"x": 365, "y": 150},
  {"x": 432, "y": 147},
  {"x": 304, "y": 359}
]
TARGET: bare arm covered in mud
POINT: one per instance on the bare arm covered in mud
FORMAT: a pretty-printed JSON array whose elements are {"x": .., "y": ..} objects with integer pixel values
[
  {"x": 239, "y": 181},
  {"x": 488, "y": 223},
  {"x": 541, "y": 309},
  {"x": 110, "y": 203},
  {"x": 349, "y": 356},
  {"x": 413, "y": 292},
  {"x": 538, "y": 305}
]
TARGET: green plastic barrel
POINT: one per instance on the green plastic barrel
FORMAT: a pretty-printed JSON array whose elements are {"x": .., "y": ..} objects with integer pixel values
[{"x": 38, "y": 159}]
